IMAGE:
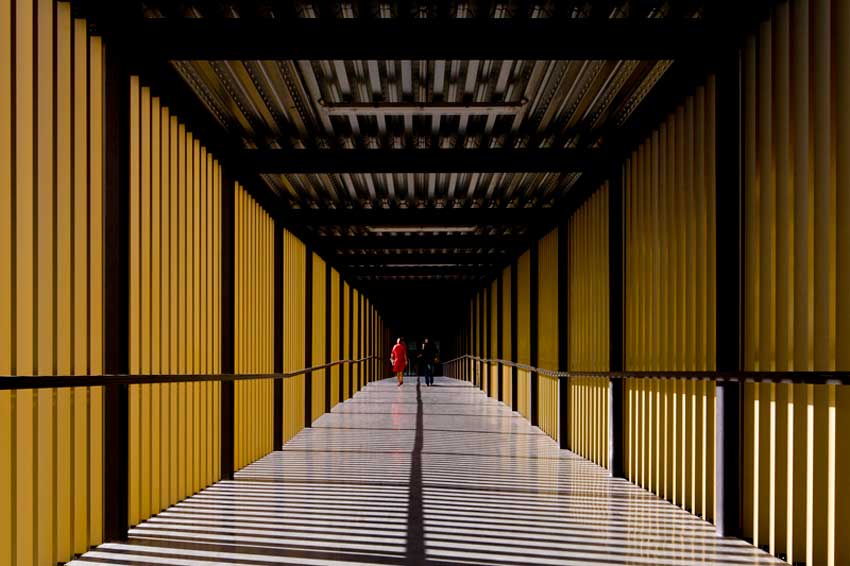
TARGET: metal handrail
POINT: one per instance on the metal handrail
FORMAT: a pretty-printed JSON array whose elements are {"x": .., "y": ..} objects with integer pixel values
[
  {"x": 18, "y": 382},
  {"x": 805, "y": 377}
]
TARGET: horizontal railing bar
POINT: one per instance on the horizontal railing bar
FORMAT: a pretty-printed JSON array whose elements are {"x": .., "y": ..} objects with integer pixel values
[
  {"x": 806, "y": 377},
  {"x": 18, "y": 382}
]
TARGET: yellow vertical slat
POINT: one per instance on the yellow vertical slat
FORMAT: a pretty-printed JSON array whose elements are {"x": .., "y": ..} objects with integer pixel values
[
  {"x": 165, "y": 305},
  {"x": 81, "y": 282},
  {"x": 840, "y": 514},
  {"x": 156, "y": 299},
  {"x": 145, "y": 282},
  {"x": 22, "y": 410},
  {"x": 175, "y": 304},
  {"x": 95, "y": 502},
  {"x": 6, "y": 282},
  {"x": 46, "y": 363}
]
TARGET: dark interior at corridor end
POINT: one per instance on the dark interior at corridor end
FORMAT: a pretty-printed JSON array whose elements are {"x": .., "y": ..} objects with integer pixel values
[{"x": 625, "y": 224}]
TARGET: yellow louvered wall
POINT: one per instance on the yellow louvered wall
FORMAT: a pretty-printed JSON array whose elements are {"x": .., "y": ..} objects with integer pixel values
[
  {"x": 294, "y": 321},
  {"x": 253, "y": 329},
  {"x": 51, "y": 281},
  {"x": 523, "y": 323},
  {"x": 357, "y": 343},
  {"x": 334, "y": 307},
  {"x": 507, "y": 372},
  {"x": 175, "y": 227},
  {"x": 494, "y": 340},
  {"x": 317, "y": 378},
  {"x": 670, "y": 300},
  {"x": 348, "y": 353},
  {"x": 588, "y": 304},
  {"x": 548, "y": 296},
  {"x": 796, "y": 273}
]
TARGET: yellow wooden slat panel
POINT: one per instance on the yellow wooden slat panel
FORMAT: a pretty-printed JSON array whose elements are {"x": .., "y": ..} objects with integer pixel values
[
  {"x": 7, "y": 284},
  {"x": 96, "y": 85}
]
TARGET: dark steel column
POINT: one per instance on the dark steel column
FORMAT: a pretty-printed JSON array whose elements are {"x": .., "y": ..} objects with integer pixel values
[
  {"x": 616, "y": 264},
  {"x": 514, "y": 338},
  {"x": 116, "y": 297},
  {"x": 534, "y": 330},
  {"x": 729, "y": 209},
  {"x": 563, "y": 336},
  {"x": 499, "y": 330},
  {"x": 308, "y": 338},
  {"x": 278, "y": 335},
  {"x": 328, "y": 319}
]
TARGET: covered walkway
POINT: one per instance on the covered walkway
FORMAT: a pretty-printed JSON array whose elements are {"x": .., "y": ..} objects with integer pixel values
[{"x": 417, "y": 475}]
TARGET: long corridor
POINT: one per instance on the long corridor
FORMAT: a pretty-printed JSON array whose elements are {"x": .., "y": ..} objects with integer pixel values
[{"x": 419, "y": 475}]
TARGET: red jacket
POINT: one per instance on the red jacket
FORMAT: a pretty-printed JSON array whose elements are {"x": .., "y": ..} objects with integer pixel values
[{"x": 399, "y": 355}]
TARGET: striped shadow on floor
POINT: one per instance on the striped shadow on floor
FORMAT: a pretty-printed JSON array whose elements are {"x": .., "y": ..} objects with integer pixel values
[{"x": 423, "y": 475}]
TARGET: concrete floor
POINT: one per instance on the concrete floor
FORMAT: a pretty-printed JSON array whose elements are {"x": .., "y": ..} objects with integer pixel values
[{"x": 423, "y": 475}]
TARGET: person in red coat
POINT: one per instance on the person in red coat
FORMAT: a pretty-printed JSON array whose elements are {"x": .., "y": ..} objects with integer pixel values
[{"x": 398, "y": 358}]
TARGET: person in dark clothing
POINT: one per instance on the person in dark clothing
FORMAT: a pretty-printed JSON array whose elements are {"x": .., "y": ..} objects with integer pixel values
[{"x": 429, "y": 359}]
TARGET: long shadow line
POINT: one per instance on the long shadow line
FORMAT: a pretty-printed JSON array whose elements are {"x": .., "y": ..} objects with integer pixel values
[{"x": 415, "y": 547}]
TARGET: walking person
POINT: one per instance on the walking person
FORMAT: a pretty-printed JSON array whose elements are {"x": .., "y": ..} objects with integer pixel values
[
  {"x": 429, "y": 358},
  {"x": 398, "y": 358}
]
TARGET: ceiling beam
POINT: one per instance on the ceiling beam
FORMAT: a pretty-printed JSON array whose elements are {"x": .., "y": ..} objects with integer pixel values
[
  {"x": 454, "y": 241},
  {"x": 305, "y": 38},
  {"x": 416, "y": 160},
  {"x": 413, "y": 218}
]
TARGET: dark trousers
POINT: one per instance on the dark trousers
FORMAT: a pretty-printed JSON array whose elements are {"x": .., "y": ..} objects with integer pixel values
[{"x": 429, "y": 374}]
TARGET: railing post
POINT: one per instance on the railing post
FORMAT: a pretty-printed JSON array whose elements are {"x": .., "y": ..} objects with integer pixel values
[
  {"x": 277, "y": 391},
  {"x": 617, "y": 385},
  {"x": 533, "y": 335},
  {"x": 563, "y": 337},
  {"x": 308, "y": 338},
  {"x": 729, "y": 396},
  {"x": 227, "y": 324},
  {"x": 116, "y": 297}
]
